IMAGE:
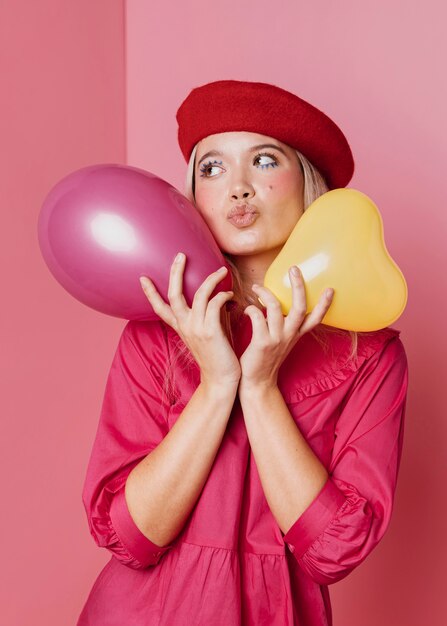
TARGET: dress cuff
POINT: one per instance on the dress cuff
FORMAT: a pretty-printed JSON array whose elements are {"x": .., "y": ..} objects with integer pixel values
[
  {"x": 313, "y": 521},
  {"x": 137, "y": 544}
]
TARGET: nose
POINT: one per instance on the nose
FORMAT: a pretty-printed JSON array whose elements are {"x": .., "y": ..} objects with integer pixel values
[{"x": 241, "y": 187}]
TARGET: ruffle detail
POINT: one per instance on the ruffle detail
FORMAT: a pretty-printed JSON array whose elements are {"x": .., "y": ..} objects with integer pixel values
[
  {"x": 367, "y": 347},
  {"x": 139, "y": 552},
  {"x": 326, "y": 383},
  {"x": 105, "y": 536},
  {"x": 349, "y": 529},
  {"x": 197, "y": 584}
]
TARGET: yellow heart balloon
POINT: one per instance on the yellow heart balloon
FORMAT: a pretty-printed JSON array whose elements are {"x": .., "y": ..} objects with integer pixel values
[{"x": 338, "y": 242}]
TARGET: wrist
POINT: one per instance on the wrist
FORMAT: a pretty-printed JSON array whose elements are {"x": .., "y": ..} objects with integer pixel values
[
  {"x": 222, "y": 389},
  {"x": 250, "y": 388}
]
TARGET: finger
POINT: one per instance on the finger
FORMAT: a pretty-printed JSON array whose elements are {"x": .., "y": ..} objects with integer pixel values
[
  {"x": 319, "y": 311},
  {"x": 215, "y": 306},
  {"x": 275, "y": 318},
  {"x": 259, "y": 324},
  {"x": 298, "y": 309},
  {"x": 202, "y": 295},
  {"x": 175, "y": 289},
  {"x": 160, "y": 307}
]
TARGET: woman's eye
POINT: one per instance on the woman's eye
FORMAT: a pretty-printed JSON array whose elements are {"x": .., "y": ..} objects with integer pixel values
[
  {"x": 265, "y": 160},
  {"x": 207, "y": 167}
]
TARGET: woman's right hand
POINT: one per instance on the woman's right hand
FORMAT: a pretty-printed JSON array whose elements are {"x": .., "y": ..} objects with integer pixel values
[{"x": 199, "y": 327}]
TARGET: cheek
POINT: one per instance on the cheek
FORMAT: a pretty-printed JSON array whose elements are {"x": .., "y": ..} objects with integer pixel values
[
  {"x": 205, "y": 203},
  {"x": 208, "y": 207},
  {"x": 284, "y": 186}
]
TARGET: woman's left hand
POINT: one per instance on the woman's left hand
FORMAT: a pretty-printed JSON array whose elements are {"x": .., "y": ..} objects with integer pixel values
[{"x": 274, "y": 337}]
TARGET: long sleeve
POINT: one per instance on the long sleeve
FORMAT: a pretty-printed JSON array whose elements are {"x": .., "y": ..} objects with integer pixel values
[
  {"x": 351, "y": 513},
  {"x": 133, "y": 421}
]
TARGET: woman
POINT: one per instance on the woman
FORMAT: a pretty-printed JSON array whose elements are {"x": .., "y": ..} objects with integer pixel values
[{"x": 244, "y": 460}]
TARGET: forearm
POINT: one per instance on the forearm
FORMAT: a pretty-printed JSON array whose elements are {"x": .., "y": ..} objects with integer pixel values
[
  {"x": 164, "y": 487},
  {"x": 290, "y": 472}
]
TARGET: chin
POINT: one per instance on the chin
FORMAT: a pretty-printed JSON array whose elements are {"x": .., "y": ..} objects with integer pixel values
[
  {"x": 244, "y": 248},
  {"x": 236, "y": 251}
]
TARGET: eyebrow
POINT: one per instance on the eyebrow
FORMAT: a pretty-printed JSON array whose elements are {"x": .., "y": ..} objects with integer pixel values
[{"x": 252, "y": 149}]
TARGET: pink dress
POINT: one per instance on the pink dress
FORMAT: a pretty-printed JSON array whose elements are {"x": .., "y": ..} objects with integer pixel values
[{"x": 231, "y": 564}]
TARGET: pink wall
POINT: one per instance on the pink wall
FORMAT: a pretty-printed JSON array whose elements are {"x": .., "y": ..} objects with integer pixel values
[
  {"x": 377, "y": 68},
  {"x": 62, "y": 107}
]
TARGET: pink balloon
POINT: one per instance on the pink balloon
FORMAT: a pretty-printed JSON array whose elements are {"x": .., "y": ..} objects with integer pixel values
[{"x": 102, "y": 227}]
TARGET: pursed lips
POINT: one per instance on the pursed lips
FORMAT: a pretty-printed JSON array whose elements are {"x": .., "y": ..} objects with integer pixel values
[
  {"x": 241, "y": 209},
  {"x": 242, "y": 215}
]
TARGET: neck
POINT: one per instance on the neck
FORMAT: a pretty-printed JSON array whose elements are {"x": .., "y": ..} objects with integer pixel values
[{"x": 252, "y": 268}]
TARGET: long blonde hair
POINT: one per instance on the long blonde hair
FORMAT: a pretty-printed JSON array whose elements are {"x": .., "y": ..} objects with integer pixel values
[{"x": 314, "y": 186}]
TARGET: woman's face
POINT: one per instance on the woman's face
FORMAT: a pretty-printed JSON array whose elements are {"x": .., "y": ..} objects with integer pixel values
[{"x": 249, "y": 193}]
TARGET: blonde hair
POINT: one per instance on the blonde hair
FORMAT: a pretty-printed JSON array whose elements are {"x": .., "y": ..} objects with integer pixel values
[{"x": 314, "y": 186}]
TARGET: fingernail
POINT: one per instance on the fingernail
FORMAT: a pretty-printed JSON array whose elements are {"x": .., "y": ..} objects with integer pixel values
[
  {"x": 329, "y": 293},
  {"x": 295, "y": 271},
  {"x": 180, "y": 256}
]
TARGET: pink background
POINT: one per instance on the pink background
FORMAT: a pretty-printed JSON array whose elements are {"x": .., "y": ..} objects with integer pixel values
[
  {"x": 62, "y": 108},
  {"x": 378, "y": 70}
]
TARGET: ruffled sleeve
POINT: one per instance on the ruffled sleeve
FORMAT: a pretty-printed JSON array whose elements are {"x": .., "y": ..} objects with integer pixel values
[
  {"x": 351, "y": 513},
  {"x": 133, "y": 421}
]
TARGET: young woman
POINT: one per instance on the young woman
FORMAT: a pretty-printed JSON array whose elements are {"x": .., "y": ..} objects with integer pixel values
[{"x": 244, "y": 460}]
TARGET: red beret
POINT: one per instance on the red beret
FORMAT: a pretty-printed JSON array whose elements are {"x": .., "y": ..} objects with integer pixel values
[{"x": 232, "y": 105}]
